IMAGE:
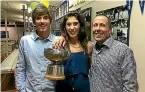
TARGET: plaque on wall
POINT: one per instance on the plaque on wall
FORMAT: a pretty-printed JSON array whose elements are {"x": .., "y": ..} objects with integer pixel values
[{"x": 4, "y": 33}]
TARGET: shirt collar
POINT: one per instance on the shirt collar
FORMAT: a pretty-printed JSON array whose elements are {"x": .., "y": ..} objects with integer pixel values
[
  {"x": 107, "y": 43},
  {"x": 35, "y": 37}
]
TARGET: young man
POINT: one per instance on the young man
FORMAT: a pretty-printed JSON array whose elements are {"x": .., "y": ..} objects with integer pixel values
[
  {"x": 32, "y": 64},
  {"x": 113, "y": 67}
]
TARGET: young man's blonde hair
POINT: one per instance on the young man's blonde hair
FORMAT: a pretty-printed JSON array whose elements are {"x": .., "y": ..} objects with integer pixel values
[{"x": 40, "y": 9}]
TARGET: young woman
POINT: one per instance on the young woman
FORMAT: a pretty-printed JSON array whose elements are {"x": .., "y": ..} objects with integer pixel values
[{"x": 76, "y": 68}]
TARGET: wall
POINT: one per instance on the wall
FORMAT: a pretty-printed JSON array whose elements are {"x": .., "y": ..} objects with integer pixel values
[
  {"x": 137, "y": 42},
  {"x": 137, "y": 32},
  {"x": 15, "y": 33}
]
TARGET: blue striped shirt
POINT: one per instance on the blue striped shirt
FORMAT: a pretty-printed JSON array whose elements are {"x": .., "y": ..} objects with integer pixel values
[
  {"x": 113, "y": 68},
  {"x": 32, "y": 64}
]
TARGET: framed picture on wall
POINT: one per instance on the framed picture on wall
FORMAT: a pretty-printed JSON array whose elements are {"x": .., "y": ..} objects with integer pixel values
[
  {"x": 3, "y": 34},
  {"x": 86, "y": 13},
  {"x": 120, "y": 22}
]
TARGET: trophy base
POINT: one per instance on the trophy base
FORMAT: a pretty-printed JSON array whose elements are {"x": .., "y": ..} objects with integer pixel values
[{"x": 51, "y": 77}]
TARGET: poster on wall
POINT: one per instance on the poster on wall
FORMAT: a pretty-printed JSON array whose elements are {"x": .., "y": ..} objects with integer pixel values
[
  {"x": 120, "y": 22},
  {"x": 86, "y": 13},
  {"x": 3, "y": 34}
]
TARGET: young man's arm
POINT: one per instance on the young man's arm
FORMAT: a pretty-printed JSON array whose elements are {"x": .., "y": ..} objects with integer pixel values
[{"x": 20, "y": 72}]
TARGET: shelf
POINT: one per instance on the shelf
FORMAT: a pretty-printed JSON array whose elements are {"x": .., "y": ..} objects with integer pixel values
[{"x": 61, "y": 11}]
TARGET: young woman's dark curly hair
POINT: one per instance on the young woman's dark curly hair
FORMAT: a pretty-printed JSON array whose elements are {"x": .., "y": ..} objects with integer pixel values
[{"x": 82, "y": 37}]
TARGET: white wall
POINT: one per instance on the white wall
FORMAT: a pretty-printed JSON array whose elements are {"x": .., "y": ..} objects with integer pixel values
[
  {"x": 137, "y": 32},
  {"x": 137, "y": 42}
]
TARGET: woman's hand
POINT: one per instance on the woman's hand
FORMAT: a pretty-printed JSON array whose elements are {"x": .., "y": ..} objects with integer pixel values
[{"x": 59, "y": 42}]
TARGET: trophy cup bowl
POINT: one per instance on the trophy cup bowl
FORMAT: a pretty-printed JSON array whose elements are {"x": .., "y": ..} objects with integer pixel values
[{"x": 55, "y": 71}]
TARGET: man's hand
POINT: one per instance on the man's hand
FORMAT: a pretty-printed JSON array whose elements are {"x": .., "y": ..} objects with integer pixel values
[{"x": 59, "y": 42}]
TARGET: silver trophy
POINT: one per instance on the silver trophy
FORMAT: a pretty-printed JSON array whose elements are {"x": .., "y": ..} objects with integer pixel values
[{"x": 55, "y": 71}]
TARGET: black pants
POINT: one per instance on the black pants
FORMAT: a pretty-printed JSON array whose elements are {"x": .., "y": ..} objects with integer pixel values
[{"x": 75, "y": 83}]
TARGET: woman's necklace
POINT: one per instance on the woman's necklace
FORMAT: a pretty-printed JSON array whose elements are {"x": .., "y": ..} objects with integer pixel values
[{"x": 75, "y": 46}]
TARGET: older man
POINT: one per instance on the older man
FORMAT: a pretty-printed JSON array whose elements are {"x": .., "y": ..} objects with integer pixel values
[{"x": 113, "y": 67}]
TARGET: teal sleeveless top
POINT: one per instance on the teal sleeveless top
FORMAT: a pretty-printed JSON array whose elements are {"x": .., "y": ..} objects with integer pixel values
[{"x": 76, "y": 64}]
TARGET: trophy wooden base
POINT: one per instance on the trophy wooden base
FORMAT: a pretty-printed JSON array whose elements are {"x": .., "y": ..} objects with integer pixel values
[{"x": 51, "y": 77}]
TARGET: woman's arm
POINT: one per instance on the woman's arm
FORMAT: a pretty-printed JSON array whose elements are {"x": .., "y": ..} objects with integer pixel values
[
  {"x": 89, "y": 50},
  {"x": 60, "y": 42}
]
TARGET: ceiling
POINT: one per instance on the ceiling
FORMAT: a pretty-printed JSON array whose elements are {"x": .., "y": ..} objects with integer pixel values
[{"x": 13, "y": 9}]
